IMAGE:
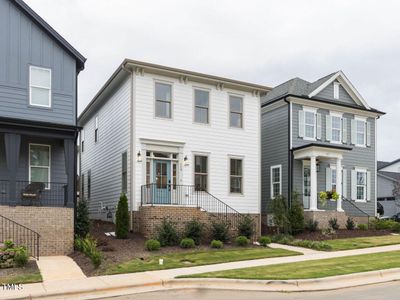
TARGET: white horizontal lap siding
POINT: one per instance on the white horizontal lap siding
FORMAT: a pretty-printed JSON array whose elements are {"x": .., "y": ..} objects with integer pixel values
[
  {"x": 216, "y": 138},
  {"x": 104, "y": 158}
]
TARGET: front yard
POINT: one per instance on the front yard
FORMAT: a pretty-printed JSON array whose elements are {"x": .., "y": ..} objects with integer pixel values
[
  {"x": 363, "y": 242},
  {"x": 312, "y": 269},
  {"x": 27, "y": 274}
]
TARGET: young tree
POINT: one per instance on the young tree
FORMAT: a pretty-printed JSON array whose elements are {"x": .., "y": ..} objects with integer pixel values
[
  {"x": 280, "y": 212},
  {"x": 122, "y": 218},
  {"x": 296, "y": 215},
  {"x": 82, "y": 222}
]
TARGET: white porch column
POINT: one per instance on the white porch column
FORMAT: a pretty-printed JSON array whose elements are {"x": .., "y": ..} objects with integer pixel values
[
  {"x": 313, "y": 196},
  {"x": 339, "y": 183}
]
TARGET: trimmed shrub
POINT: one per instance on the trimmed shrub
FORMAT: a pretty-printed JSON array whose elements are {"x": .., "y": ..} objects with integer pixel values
[
  {"x": 316, "y": 245},
  {"x": 311, "y": 225},
  {"x": 152, "y": 245},
  {"x": 82, "y": 224},
  {"x": 362, "y": 226},
  {"x": 242, "y": 241},
  {"x": 88, "y": 246},
  {"x": 8, "y": 244},
  {"x": 382, "y": 224},
  {"x": 21, "y": 257},
  {"x": 296, "y": 216},
  {"x": 220, "y": 231},
  {"x": 194, "y": 230},
  {"x": 350, "y": 224},
  {"x": 396, "y": 227},
  {"x": 246, "y": 226},
  {"x": 264, "y": 241},
  {"x": 278, "y": 238},
  {"x": 217, "y": 244},
  {"x": 333, "y": 223},
  {"x": 122, "y": 218},
  {"x": 167, "y": 234},
  {"x": 187, "y": 243}
]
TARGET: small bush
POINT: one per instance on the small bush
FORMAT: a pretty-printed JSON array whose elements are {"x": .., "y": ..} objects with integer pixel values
[
  {"x": 382, "y": 224},
  {"x": 194, "y": 230},
  {"x": 282, "y": 238},
  {"x": 217, "y": 244},
  {"x": 187, "y": 243},
  {"x": 8, "y": 244},
  {"x": 264, "y": 241},
  {"x": 82, "y": 224},
  {"x": 328, "y": 231},
  {"x": 167, "y": 234},
  {"x": 396, "y": 227},
  {"x": 296, "y": 216},
  {"x": 21, "y": 257},
  {"x": 350, "y": 224},
  {"x": 122, "y": 218},
  {"x": 333, "y": 223},
  {"x": 281, "y": 214},
  {"x": 220, "y": 231},
  {"x": 362, "y": 226},
  {"x": 246, "y": 226},
  {"x": 311, "y": 225},
  {"x": 152, "y": 245},
  {"x": 242, "y": 241},
  {"x": 88, "y": 246},
  {"x": 316, "y": 245}
]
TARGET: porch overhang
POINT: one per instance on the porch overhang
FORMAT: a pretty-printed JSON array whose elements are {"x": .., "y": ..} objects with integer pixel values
[{"x": 320, "y": 150}]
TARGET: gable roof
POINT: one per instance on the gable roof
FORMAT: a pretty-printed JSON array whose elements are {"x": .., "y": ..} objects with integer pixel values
[
  {"x": 30, "y": 13},
  {"x": 309, "y": 90}
]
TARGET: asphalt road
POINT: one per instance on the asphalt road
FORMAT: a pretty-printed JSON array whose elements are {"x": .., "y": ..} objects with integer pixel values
[{"x": 387, "y": 291}]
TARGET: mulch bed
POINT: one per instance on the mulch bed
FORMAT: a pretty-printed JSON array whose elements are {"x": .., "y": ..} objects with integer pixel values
[{"x": 340, "y": 234}]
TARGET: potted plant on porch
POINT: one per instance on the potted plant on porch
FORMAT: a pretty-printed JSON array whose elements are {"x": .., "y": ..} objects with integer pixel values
[{"x": 328, "y": 195}]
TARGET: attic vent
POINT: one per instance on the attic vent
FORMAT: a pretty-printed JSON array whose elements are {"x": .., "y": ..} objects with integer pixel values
[{"x": 336, "y": 90}]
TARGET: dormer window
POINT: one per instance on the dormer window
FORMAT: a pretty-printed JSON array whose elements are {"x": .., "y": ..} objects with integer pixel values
[
  {"x": 39, "y": 87},
  {"x": 336, "y": 86}
]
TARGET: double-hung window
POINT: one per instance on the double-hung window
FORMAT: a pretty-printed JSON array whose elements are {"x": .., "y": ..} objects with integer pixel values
[
  {"x": 163, "y": 94},
  {"x": 276, "y": 181},
  {"x": 336, "y": 129},
  {"x": 201, "y": 106},
  {"x": 333, "y": 179},
  {"x": 200, "y": 172},
  {"x": 39, "y": 163},
  {"x": 310, "y": 121},
  {"x": 360, "y": 132},
  {"x": 39, "y": 87},
  {"x": 236, "y": 175},
  {"x": 235, "y": 111},
  {"x": 361, "y": 185}
]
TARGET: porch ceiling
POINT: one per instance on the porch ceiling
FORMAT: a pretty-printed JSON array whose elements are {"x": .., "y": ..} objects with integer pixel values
[{"x": 320, "y": 150}]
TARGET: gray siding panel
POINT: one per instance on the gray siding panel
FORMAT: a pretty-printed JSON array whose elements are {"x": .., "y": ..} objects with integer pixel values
[
  {"x": 327, "y": 93},
  {"x": 23, "y": 43},
  {"x": 104, "y": 158},
  {"x": 274, "y": 151},
  {"x": 385, "y": 187},
  {"x": 357, "y": 157}
]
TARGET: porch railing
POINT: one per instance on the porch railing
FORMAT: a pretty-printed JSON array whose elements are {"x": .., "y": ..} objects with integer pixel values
[
  {"x": 190, "y": 196},
  {"x": 20, "y": 235},
  {"x": 53, "y": 194}
]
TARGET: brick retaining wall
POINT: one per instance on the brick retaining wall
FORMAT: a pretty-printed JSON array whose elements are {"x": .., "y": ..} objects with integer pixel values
[{"x": 54, "y": 224}]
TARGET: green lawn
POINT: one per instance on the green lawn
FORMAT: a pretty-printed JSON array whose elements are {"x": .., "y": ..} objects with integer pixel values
[
  {"x": 195, "y": 258},
  {"x": 313, "y": 269},
  {"x": 28, "y": 274},
  {"x": 363, "y": 242}
]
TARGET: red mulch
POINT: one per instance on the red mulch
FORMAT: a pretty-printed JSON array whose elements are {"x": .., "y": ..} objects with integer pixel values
[{"x": 340, "y": 234}]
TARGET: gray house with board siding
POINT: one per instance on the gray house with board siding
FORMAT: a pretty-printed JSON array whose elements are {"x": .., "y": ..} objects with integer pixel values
[
  {"x": 319, "y": 136},
  {"x": 38, "y": 127}
]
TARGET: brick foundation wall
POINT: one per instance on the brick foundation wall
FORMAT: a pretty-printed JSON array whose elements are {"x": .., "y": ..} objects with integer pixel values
[
  {"x": 148, "y": 218},
  {"x": 54, "y": 224}
]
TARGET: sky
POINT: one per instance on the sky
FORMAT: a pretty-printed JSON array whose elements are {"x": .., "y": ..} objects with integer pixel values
[{"x": 265, "y": 42}]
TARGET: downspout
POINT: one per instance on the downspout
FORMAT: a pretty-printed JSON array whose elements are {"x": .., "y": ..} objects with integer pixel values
[
  {"x": 290, "y": 157},
  {"x": 131, "y": 149}
]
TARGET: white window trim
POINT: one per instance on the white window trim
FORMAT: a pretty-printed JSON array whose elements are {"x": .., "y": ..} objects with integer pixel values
[
  {"x": 29, "y": 163},
  {"x": 208, "y": 109},
  {"x": 280, "y": 180},
  {"x": 241, "y": 194},
  {"x": 171, "y": 84},
  {"x": 312, "y": 110},
  {"x": 362, "y": 119},
  {"x": 229, "y": 110},
  {"x": 338, "y": 115},
  {"x": 203, "y": 154},
  {"x": 361, "y": 170},
  {"x": 37, "y": 86},
  {"x": 336, "y": 90}
]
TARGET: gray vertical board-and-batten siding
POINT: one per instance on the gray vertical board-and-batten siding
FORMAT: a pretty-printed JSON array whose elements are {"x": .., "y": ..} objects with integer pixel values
[
  {"x": 363, "y": 157},
  {"x": 104, "y": 158},
  {"x": 23, "y": 43},
  {"x": 274, "y": 151}
]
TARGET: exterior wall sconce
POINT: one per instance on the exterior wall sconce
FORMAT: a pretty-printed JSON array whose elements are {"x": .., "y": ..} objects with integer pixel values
[
  {"x": 139, "y": 157},
  {"x": 318, "y": 167},
  {"x": 185, "y": 161}
]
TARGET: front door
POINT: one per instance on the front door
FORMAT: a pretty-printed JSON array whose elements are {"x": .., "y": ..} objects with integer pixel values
[
  {"x": 162, "y": 179},
  {"x": 306, "y": 186}
]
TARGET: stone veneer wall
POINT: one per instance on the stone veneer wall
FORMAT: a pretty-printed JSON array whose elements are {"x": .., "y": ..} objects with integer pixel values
[
  {"x": 54, "y": 224},
  {"x": 148, "y": 218}
]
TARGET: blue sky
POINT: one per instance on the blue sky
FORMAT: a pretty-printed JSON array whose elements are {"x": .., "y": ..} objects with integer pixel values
[{"x": 264, "y": 42}]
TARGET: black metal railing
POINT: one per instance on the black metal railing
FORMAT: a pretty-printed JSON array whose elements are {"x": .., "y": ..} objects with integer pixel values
[
  {"x": 27, "y": 193},
  {"x": 190, "y": 196},
  {"x": 20, "y": 235},
  {"x": 352, "y": 209}
]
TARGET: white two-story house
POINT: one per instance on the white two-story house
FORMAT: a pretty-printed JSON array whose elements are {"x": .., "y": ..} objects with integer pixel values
[{"x": 179, "y": 144}]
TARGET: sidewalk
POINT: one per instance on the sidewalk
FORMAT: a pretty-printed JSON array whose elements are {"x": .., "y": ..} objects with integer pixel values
[{"x": 85, "y": 288}]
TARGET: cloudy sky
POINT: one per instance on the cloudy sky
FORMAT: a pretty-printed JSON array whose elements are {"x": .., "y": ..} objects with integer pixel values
[{"x": 264, "y": 42}]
